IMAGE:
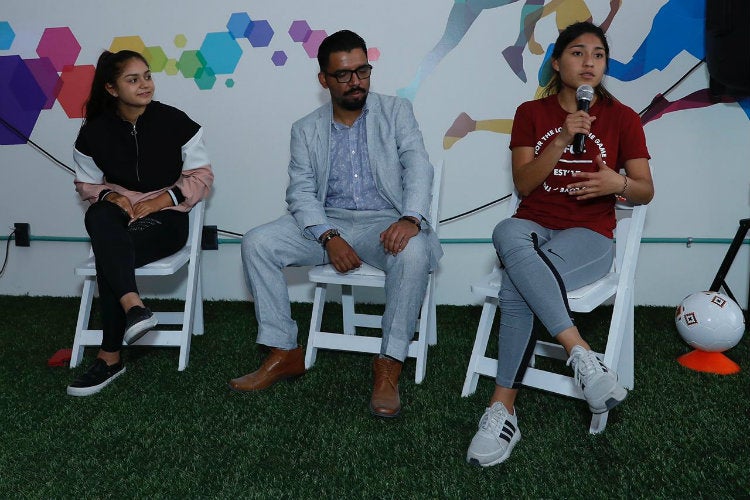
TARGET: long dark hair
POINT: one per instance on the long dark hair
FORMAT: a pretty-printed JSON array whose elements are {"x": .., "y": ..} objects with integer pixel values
[
  {"x": 564, "y": 39},
  {"x": 108, "y": 69},
  {"x": 341, "y": 41}
]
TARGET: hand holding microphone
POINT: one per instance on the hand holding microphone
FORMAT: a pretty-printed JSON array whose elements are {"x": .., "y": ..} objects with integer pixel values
[{"x": 584, "y": 96}]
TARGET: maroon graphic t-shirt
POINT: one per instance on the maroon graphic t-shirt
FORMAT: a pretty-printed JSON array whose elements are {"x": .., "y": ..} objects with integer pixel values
[{"x": 616, "y": 135}]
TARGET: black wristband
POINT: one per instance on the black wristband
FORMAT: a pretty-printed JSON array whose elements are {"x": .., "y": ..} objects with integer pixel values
[
  {"x": 328, "y": 235},
  {"x": 103, "y": 193},
  {"x": 413, "y": 220},
  {"x": 178, "y": 194}
]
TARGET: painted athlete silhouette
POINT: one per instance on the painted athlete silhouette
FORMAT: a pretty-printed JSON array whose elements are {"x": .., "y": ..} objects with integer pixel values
[{"x": 678, "y": 26}]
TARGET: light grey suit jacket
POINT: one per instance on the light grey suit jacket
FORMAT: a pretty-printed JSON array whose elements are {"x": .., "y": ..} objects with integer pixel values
[{"x": 398, "y": 159}]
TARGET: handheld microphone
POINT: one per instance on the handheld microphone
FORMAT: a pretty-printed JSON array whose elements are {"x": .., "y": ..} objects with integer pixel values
[{"x": 584, "y": 95}]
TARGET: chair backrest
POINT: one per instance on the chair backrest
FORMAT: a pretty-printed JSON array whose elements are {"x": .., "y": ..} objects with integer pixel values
[
  {"x": 513, "y": 202},
  {"x": 437, "y": 180},
  {"x": 195, "y": 235},
  {"x": 628, "y": 239}
]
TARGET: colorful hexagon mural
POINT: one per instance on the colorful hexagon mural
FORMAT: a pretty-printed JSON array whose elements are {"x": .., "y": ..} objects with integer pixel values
[
  {"x": 157, "y": 59},
  {"x": 59, "y": 46},
  {"x": 239, "y": 24},
  {"x": 21, "y": 100},
  {"x": 6, "y": 35},
  {"x": 299, "y": 31},
  {"x": 34, "y": 84},
  {"x": 373, "y": 54},
  {"x": 205, "y": 78},
  {"x": 220, "y": 52},
  {"x": 259, "y": 34},
  {"x": 313, "y": 42},
  {"x": 46, "y": 77},
  {"x": 279, "y": 58},
  {"x": 171, "y": 67},
  {"x": 189, "y": 63},
  {"x": 76, "y": 84},
  {"x": 134, "y": 43}
]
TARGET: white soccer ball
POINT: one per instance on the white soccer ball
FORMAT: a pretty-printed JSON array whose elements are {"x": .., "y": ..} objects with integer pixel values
[{"x": 710, "y": 321}]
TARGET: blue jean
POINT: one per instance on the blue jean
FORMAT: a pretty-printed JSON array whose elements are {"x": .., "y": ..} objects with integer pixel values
[
  {"x": 268, "y": 249},
  {"x": 540, "y": 265}
]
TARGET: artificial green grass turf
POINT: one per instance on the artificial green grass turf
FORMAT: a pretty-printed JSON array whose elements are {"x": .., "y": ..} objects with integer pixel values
[{"x": 159, "y": 433}]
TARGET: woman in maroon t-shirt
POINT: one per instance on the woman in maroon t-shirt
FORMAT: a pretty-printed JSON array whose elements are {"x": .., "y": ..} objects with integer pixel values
[{"x": 560, "y": 237}]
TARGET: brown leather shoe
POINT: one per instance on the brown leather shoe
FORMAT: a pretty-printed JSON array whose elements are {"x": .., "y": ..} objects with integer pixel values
[
  {"x": 279, "y": 365},
  {"x": 385, "y": 400}
]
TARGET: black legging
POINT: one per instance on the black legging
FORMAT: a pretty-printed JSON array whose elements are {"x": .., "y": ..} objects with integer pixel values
[{"x": 119, "y": 249}]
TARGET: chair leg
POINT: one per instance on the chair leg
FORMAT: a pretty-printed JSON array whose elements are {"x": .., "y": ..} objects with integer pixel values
[
  {"x": 188, "y": 314},
  {"x": 432, "y": 312},
  {"x": 623, "y": 365},
  {"x": 598, "y": 423},
  {"x": 315, "y": 321},
  {"x": 84, "y": 314},
  {"x": 627, "y": 354},
  {"x": 185, "y": 337},
  {"x": 620, "y": 351},
  {"x": 427, "y": 331},
  {"x": 347, "y": 309},
  {"x": 421, "y": 368},
  {"x": 198, "y": 314},
  {"x": 423, "y": 340},
  {"x": 186, "y": 331},
  {"x": 480, "y": 344}
]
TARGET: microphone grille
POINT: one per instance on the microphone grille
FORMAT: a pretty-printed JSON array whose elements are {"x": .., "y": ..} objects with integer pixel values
[{"x": 585, "y": 93}]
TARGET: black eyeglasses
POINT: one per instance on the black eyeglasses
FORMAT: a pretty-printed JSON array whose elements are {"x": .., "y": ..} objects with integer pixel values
[{"x": 345, "y": 75}]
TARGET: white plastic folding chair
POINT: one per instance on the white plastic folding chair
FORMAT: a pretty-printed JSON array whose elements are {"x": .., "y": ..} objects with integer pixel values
[
  {"x": 190, "y": 318},
  {"x": 619, "y": 351},
  {"x": 369, "y": 276}
]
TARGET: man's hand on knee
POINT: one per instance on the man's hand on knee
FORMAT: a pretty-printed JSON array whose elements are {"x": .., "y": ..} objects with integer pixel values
[
  {"x": 342, "y": 255},
  {"x": 397, "y": 236}
]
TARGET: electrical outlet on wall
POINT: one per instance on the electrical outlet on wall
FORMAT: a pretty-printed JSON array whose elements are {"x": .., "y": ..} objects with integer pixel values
[{"x": 22, "y": 234}]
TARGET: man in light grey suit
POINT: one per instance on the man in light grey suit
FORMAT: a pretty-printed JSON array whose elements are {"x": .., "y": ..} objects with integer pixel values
[{"x": 359, "y": 191}]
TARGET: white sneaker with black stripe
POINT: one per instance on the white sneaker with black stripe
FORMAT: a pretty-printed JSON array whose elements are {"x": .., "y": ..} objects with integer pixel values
[
  {"x": 598, "y": 383},
  {"x": 497, "y": 435}
]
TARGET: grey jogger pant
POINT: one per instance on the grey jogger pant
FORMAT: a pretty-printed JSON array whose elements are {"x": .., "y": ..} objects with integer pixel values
[{"x": 540, "y": 265}]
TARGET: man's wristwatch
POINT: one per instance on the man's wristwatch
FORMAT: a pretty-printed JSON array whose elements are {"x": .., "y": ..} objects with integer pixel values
[
  {"x": 328, "y": 235},
  {"x": 413, "y": 220}
]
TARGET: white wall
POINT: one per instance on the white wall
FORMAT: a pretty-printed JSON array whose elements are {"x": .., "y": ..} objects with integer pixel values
[{"x": 700, "y": 156}]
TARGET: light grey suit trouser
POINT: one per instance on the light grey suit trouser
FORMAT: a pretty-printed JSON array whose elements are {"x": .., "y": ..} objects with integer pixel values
[{"x": 268, "y": 249}]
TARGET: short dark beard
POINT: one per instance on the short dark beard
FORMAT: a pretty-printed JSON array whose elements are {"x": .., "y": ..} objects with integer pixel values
[{"x": 355, "y": 105}]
